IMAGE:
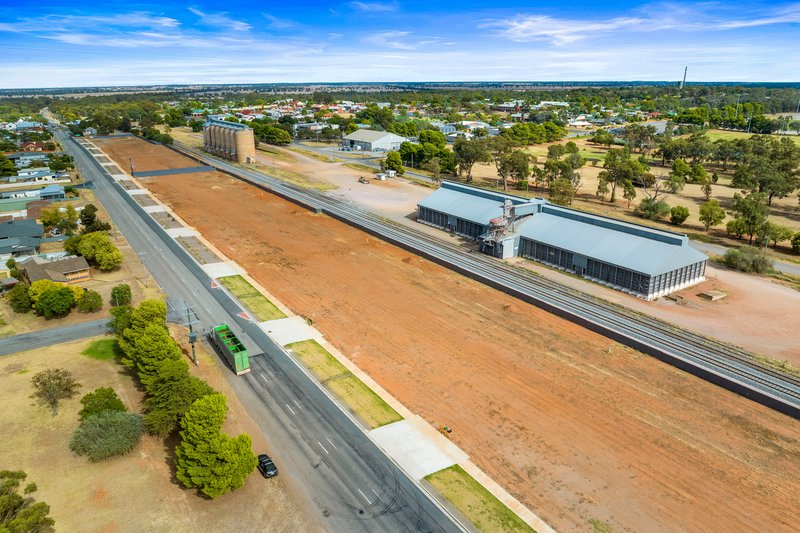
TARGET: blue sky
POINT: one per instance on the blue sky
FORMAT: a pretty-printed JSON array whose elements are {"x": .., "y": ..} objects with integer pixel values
[{"x": 87, "y": 43}]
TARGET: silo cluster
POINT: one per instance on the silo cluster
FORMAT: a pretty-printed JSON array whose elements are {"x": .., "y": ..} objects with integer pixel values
[{"x": 229, "y": 140}]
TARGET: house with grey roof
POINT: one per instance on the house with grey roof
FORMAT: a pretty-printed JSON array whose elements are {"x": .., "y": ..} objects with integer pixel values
[
  {"x": 372, "y": 141},
  {"x": 20, "y": 237},
  {"x": 637, "y": 259}
]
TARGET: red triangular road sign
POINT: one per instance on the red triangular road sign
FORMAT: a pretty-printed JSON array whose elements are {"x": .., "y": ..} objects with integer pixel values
[
  {"x": 244, "y": 315},
  {"x": 214, "y": 284}
]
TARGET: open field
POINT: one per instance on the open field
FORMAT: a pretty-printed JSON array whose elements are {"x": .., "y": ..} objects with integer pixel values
[
  {"x": 359, "y": 398},
  {"x": 733, "y": 135},
  {"x": 479, "y": 505},
  {"x": 131, "y": 493},
  {"x": 577, "y": 427},
  {"x": 257, "y": 303}
]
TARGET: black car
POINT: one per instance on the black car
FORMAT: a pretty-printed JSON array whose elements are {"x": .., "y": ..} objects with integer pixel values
[{"x": 266, "y": 466}]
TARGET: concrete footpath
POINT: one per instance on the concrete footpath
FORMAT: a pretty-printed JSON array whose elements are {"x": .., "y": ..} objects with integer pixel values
[{"x": 416, "y": 446}]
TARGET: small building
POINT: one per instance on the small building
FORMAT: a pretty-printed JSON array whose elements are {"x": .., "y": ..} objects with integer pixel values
[
  {"x": 6, "y": 284},
  {"x": 52, "y": 193},
  {"x": 372, "y": 141},
  {"x": 89, "y": 132},
  {"x": 20, "y": 237},
  {"x": 70, "y": 270},
  {"x": 636, "y": 259}
]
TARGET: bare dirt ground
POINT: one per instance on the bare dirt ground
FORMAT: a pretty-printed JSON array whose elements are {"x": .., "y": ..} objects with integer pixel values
[
  {"x": 390, "y": 198},
  {"x": 730, "y": 319},
  {"x": 577, "y": 427},
  {"x": 758, "y": 314},
  {"x": 131, "y": 493}
]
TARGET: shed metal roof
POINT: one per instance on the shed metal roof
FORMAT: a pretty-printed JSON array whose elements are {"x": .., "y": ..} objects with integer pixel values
[
  {"x": 20, "y": 228},
  {"x": 373, "y": 136},
  {"x": 626, "y": 250},
  {"x": 470, "y": 203}
]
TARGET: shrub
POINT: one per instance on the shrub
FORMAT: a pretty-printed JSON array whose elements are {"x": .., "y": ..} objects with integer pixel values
[
  {"x": 796, "y": 243},
  {"x": 678, "y": 215},
  {"x": 748, "y": 259},
  {"x": 102, "y": 399},
  {"x": 90, "y": 302},
  {"x": 19, "y": 298},
  {"x": 121, "y": 295},
  {"x": 107, "y": 434},
  {"x": 55, "y": 302},
  {"x": 653, "y": 210}
]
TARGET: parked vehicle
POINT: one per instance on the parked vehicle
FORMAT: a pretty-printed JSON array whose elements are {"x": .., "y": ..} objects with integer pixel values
[
  {"x": 266, "y": 466},
  {"x": 232, "y": 348}
]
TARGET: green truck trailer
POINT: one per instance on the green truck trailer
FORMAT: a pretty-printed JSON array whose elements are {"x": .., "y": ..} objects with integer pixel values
[{"x": 232, "y": 348}]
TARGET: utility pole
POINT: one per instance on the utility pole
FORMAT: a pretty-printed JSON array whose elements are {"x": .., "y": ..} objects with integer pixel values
[
  {"x": 685, "y": 69},
  {"x": 192, "y": 333}
]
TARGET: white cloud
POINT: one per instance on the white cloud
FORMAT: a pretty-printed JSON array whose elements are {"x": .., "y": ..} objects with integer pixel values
[
  {"x": 279, "y": 23},
  {"x": 390, "y": 39},
  {"x": 374, "y": 7},
  {"x": 220, "y": 21},
  {"x": 649, "y": 18}
]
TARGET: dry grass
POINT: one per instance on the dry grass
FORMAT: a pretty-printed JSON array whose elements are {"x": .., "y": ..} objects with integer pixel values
[
  {"x": 131, "y": 493},
  {"x": 483, "y": 509},
  {"x": 359, "y": 398},
  {"x": 257, "y": 303},
  {"x": 315, "y": 155}
]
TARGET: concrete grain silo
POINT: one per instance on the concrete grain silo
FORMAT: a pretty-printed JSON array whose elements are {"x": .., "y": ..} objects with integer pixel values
[{"x": 229, "y": 140}]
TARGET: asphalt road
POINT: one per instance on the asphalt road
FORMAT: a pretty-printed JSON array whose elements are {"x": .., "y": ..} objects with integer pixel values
[
  {"x": 350, "y": 483},
  {"x": 47, "y": 337}
]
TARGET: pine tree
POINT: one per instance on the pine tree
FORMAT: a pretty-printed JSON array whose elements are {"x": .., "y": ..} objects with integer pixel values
[
  {"x": 170, "y": 394},
  {"x": 208, "y": 459}
]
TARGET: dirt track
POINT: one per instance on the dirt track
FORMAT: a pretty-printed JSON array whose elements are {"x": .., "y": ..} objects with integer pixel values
[{"x": 577, "y": 427}]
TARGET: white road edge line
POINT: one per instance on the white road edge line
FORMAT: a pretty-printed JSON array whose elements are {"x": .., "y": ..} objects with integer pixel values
[
  {"x": 323, "y": 447},
  {"x": 297, "y": 404},
  {"x": 365, "y": 497},
  {"x": 331, "y": 442},
  {"x": 290, "y": 408},
  {"x": 375, "y": 493}
]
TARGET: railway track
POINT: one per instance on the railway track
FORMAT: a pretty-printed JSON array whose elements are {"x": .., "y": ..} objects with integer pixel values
[{"x": 721, "y": 363}]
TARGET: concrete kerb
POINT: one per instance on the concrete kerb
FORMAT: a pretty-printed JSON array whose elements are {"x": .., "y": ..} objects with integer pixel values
[{"x": 512, "y": 503}]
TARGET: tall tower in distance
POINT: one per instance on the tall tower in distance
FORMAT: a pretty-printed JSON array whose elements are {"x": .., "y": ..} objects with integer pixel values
[{"x": 685, "y": 69}]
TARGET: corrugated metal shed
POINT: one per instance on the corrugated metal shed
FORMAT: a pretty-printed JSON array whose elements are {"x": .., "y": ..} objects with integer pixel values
[
  {"x": 469, "y": 203},
  {"x": 623, "y": 249},
  {"x": 373, "y": 136}
]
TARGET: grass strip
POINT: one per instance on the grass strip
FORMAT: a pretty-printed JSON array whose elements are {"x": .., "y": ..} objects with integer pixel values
[
  {"x": 480, "y": 506},
  {"x": 353, "y": 392},
  {"x": 257, "y": 303}
]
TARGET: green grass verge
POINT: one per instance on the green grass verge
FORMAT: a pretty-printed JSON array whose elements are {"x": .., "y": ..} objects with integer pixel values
[
  {"x": 257, "y": 303},
  {"x": 102, "y": 350},
  {"x": 353, "y": 392},
  {"x": 480, "y": 506}
]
